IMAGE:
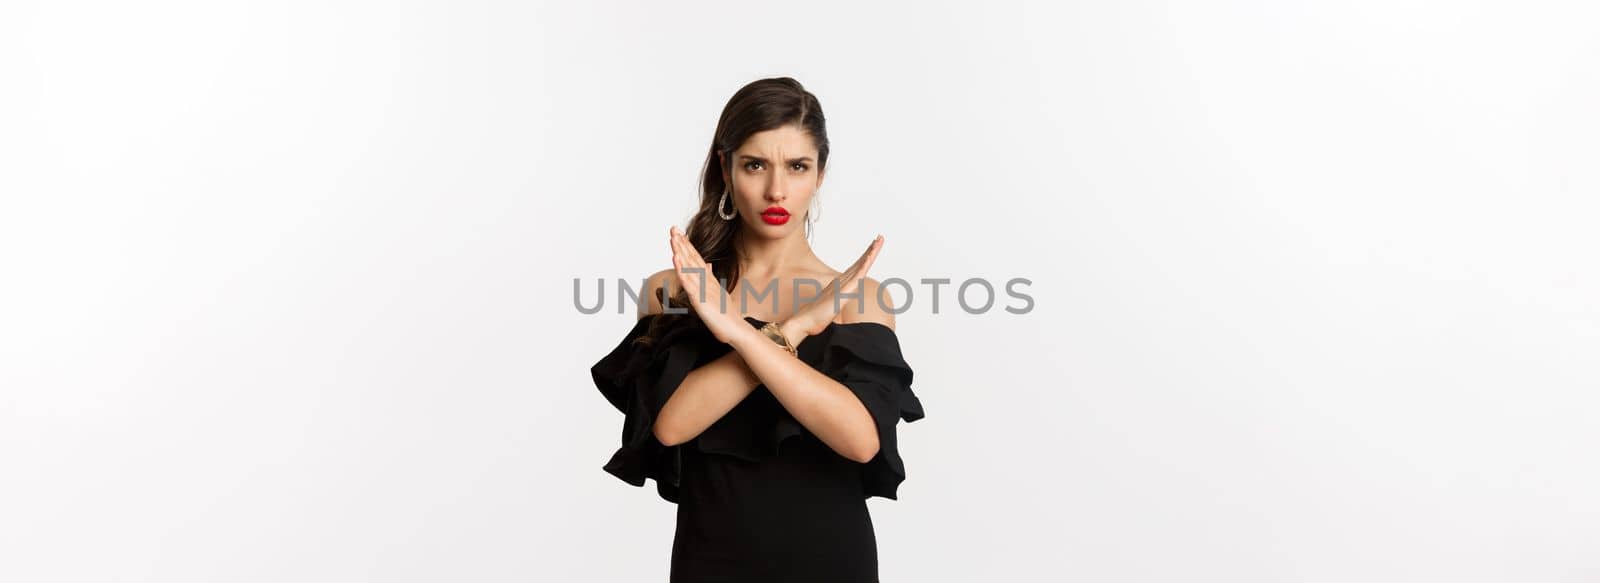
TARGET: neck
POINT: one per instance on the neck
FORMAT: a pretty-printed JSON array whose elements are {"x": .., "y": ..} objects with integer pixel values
[{"x": 765, "y": 258}]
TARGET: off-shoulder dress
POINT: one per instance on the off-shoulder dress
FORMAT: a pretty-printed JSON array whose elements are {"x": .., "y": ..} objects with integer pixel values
[{"x": 759, "y": 497}]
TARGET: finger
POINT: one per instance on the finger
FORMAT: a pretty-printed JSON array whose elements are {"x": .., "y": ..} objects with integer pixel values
[
  {"x": 694, "y": 254},
  {"x": 690, "y": 258},
  {"x": 871, "y": 245},
  {"x": 865, "y": 256},
  {"x": 677, "y": 269},
  {"x": 872, "y": 249},
  {"x": 862, "y": 263},
  {"x": 866, "y": 264},
  {"x": 693, "y": 272},
  {"x": 872, "y": 255},
  {"x": 672, "y": 240},
  {"x": 857, "y": 275},
  {"x": 679, "y": 262},
  {"x": 686, "y": 251},
  {"x": 695, "y": 269},
  {"x": 681, "y": 243}
]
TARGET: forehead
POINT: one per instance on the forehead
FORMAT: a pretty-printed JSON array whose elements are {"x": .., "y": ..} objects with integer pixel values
[{"x": 787, "y": 140}]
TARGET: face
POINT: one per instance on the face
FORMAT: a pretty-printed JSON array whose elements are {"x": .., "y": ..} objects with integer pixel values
[{"x": 773, "y": 177}]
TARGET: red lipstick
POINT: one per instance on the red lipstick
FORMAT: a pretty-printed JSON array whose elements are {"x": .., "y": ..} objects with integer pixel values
[{"x": 775, "y": 215}]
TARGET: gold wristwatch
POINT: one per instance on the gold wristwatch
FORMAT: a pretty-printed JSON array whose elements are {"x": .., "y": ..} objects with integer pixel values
[{"x": 776, "y": 334}]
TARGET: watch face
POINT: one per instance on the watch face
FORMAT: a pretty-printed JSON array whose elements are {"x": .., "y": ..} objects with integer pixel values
[{"x": 773, "y": 333}]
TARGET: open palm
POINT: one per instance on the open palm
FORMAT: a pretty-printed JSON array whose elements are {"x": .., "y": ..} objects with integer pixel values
[
  {"x": 706, "y": 295},
  {"x": 815, "y": 317}
]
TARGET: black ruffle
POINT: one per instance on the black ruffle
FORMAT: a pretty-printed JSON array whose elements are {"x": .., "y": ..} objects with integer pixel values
[
  {"x": 863, "y": 356},
  {"x": 638, "y": 379}
]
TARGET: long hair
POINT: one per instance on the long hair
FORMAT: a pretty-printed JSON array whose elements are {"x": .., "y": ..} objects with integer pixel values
[{"x": 762, "y": 105}]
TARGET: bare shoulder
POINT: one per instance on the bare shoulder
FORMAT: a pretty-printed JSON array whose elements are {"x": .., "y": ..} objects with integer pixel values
[
  {"x": 873, "y": 305},
  {"x": 650, "y": 300}
]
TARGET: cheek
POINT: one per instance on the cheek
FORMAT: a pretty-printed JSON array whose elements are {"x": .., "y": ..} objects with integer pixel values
[{"x": 802, "y": 186}]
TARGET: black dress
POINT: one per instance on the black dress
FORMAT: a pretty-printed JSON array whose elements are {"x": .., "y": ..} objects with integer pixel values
[{"x": 759, "y": 497}]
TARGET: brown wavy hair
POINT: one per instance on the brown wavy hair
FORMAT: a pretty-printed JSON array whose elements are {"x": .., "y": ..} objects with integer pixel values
[{"x": 762, "y": 105}]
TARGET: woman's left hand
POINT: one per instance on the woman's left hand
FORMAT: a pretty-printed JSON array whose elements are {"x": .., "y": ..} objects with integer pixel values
[
  {"x": 812, "y": 319},
  {"x": 709, "y": 300}
]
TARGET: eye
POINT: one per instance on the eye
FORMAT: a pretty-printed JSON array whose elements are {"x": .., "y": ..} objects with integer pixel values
[
  {"x": 748, "y": 164},
  {"x": 801, "y": 166}
]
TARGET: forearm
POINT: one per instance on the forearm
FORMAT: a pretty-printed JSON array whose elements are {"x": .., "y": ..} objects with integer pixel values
[
  {"x": 827, "y": 408},
  {"x": 706, "y": 394}
]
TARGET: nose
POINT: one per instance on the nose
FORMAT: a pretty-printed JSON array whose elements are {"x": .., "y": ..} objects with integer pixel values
[{"x": 775, "y": 190}]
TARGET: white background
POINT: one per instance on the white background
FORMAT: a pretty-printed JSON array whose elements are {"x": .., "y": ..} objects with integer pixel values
[{"x": 287, "y": 286}]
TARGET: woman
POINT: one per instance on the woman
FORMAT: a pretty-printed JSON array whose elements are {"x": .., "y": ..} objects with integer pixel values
[{"x": 767, "y": 420}]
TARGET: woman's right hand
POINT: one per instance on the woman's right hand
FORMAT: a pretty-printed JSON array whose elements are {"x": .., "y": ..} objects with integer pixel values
[{"x": 706, "y": 295}]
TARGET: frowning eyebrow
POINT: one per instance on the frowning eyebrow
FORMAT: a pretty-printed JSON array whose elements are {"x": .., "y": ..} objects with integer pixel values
[{"x": 747, "y": 158}]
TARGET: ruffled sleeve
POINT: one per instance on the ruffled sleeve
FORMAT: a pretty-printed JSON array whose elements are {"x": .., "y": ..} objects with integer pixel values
[
  {"x": 638, "y": 379},
  {"x": 865, "y": 357}
]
